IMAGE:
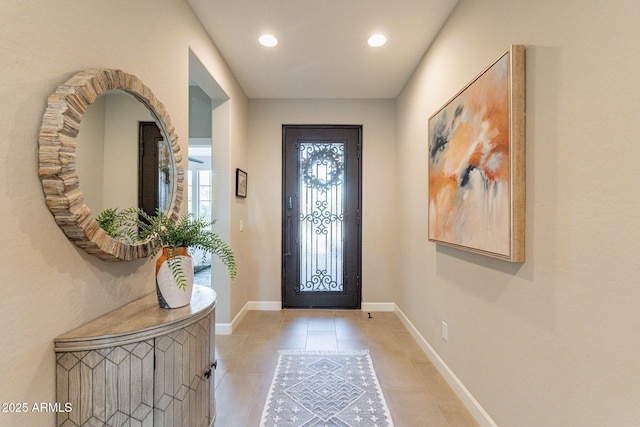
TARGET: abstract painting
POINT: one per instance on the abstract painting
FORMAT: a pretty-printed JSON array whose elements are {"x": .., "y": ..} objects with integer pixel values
[{"x": 476, "y": 163}]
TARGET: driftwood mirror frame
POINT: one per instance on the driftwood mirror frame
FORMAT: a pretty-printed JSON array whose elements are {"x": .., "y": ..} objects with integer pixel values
[{"x": 57, "y": 159}]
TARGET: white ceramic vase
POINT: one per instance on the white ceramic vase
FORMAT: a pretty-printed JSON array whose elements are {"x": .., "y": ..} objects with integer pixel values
[{"x": 170, "y": 295}]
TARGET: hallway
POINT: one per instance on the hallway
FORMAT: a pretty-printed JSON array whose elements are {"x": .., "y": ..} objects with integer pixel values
[{"x": 415, "y": 392}]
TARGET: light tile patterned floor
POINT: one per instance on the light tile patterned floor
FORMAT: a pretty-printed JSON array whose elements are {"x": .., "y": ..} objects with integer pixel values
[{"x": 415, "y": 392}]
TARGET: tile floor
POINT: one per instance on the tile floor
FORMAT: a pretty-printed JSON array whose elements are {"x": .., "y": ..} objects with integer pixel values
[{"x": 415, "y": 392}]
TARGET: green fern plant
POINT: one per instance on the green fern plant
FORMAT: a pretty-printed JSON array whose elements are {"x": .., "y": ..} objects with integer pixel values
[
  {"x": 187, "y": 232},
  {"x": 135, "y": 225},
  {"x": 119, "y": 224}
]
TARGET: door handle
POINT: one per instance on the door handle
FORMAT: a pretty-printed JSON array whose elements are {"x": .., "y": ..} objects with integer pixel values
[
  {"x": 287, "y": 251},
  {"x": 287, "y": 237}
]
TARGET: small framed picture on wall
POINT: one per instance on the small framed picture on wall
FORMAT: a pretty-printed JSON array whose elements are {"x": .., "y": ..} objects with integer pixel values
[{"x": 241, "y": 183}]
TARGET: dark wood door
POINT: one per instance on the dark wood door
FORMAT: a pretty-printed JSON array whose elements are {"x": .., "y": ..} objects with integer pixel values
[
  {"x": 153, "y": 169},
  {"x": 321, "y": 250}
]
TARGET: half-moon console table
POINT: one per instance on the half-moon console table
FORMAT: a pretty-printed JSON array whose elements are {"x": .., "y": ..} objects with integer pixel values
[{"x": 140, "y": 365}]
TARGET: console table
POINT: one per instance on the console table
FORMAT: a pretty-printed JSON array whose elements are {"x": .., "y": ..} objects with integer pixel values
[{"x": 140, "y": 365}]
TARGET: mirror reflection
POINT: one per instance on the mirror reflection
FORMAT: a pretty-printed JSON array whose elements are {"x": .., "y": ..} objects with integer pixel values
[{"x": 123, "y": 158}]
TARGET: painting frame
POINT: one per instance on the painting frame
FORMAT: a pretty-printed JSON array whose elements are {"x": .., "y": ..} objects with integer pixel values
[
  {"x": 476, "y": 162},
  {"x": 241, "y": 183}
]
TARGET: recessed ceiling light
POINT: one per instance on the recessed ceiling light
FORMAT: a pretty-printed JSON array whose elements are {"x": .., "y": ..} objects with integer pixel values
[
  {"x": 268, "y": 40},
  {"x": 377, "y": 40}
]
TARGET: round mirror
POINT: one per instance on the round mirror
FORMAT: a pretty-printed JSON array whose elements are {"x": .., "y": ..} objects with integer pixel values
[{"x": 108, "y": 156}]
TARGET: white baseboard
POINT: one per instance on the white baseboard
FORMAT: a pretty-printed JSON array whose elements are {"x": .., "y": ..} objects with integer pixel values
[
  {"x": 223, "y": 329},
  {"x": 478, "y": 412},
  {"x": 227, "y": 328},
  {"x": 378, "y": 306},
  {"x": 277, "y": 305},
  {"x": 265, "y": 305}
]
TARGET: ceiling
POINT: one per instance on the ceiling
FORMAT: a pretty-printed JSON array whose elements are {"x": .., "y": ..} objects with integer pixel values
[{"x": 322, "y": 50}]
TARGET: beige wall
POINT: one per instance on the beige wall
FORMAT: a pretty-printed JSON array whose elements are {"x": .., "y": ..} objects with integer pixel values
[
  {"x": 553, "y": 341},
  {"x": 48, "y": 285},
  {"x": 266, "y": 118}
]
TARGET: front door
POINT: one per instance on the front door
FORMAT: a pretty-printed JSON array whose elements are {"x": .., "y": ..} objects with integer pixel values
[{"x": 321, "y": 236}]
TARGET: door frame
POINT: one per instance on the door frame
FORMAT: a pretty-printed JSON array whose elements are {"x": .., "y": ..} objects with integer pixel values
[{"x": 358, "y": 233}]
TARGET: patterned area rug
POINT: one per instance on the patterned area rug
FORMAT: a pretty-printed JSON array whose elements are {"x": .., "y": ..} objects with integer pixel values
[{"x": 319, "y": 388}]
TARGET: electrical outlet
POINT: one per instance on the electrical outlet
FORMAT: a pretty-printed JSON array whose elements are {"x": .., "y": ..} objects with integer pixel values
[{"x": 445, "y": 331}]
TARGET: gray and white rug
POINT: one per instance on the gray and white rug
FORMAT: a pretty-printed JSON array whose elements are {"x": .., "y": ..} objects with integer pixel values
[{"x": 319, "y": 388}]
